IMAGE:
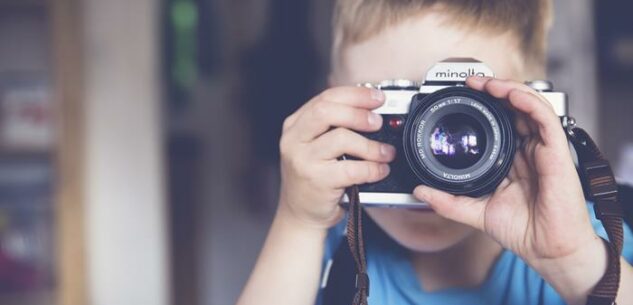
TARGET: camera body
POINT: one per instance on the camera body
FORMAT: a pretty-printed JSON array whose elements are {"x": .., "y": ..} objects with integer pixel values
[{"x": 446, "y": 135}]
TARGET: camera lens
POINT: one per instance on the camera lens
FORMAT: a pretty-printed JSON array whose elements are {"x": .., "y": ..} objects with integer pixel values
[{"x": 459, "y": 140}]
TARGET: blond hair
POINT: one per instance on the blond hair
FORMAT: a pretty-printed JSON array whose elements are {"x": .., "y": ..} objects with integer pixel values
[{"x": 358, "y": 20}]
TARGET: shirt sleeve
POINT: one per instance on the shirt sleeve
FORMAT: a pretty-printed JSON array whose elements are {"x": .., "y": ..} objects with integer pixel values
[
  {"x": 549, "y": 294},
  {"x": 627, "y": 248},
  {"x": 334, "y": 239}
]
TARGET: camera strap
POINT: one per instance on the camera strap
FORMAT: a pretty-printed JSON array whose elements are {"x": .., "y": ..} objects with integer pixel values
[
  {"x": 357, "y": 245},
  {"x": 600, "y": 187}
]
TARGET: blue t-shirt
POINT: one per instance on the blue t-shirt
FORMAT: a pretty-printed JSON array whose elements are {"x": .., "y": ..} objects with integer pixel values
[{"x": 511, "y": 280}]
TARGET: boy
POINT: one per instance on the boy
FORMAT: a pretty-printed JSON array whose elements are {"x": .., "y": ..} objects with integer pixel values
[{"x": 529, "y": 242}]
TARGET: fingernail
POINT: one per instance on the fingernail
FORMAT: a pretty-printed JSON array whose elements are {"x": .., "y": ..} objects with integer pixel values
[
  {"x": 377, "y": 95},
  {"x": 387, "y": 150},
  {"x": 374, "y": 119}
]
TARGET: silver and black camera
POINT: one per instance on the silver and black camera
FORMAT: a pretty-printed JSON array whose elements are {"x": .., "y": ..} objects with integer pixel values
[{"x": 447, "y": 135}]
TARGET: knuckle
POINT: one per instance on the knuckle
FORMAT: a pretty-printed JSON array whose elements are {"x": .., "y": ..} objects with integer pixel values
[
  {"x": 370, "y": 148},
  {"x": 328, "y": 94},
  {"x": 300, "y": 168},
  {"x": 490, "y": 83},
  {"x": 287, "y": 122},
  {"x": 321, "y": 110},
  {"x": 284, "y": 146},
  {"x": 360, "y": 118},
  {"x": 514, "y": 93},
  {"x": 373, "y": 170},
  {"x": 367, "y": 172},
  {"x": 526, "y": 88},
  {"x": 340, "y": 136},
  {"x": 351, "y": 173}
]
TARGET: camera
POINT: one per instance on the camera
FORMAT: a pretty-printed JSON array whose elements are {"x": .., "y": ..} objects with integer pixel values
[{"x": 446, "y": 135}]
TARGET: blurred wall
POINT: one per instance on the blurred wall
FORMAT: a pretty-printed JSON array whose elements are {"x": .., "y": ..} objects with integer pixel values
[
  {"x": 615, "y": 72},
  {"x": 28, "y": 50},
  {"x": 239, "y": 176},
  {"x": 125, "y": 213},
  {"x": 572, "y": 61}
]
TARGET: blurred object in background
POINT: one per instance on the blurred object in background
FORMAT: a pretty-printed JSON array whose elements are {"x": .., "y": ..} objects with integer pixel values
[
  {"x": 27, "y": 145},
  {"x": 25, "y": 112},
  {"x": 625, "y": 168},
  {"x": 181, "y": 51},
  {"x": 278, "y": 74},
  {"x": 26, "y": 236},
  {"x": 614, "y": 28},
  {"x": 615, "y": 39},
  {"x": 572, "y": 60},
  {"x": 188, "y": 51}
]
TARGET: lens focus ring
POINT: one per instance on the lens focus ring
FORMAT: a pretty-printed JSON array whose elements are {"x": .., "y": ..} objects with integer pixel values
[{"x": 460, "y": 140}]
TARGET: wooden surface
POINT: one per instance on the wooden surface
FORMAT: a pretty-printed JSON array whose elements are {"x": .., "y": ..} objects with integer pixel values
[{"x": 67, "y": 58}]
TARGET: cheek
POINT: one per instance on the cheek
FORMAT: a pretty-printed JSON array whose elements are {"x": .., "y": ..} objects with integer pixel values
[{"x": 420, "y": 232}]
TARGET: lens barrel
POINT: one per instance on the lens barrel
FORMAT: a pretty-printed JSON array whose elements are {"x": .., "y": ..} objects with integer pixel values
[{"x": 459, "y": 140}]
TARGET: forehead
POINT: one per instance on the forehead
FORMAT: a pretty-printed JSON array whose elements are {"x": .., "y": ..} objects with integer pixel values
[{"x": 408, "y": 49}]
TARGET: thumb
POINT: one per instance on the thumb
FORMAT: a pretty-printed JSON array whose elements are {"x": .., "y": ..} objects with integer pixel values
[{"x": 466, "y": 210}]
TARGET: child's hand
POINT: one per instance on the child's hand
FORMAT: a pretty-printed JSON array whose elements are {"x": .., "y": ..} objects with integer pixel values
[
  {"x": 539, "y": 210},
  {"x": 313, "y": 180}
]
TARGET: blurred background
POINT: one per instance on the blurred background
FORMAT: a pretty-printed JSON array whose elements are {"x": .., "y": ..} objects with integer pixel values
[{"x": 138, "y": 139}]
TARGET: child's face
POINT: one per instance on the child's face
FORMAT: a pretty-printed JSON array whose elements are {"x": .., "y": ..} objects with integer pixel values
[{"x": 407, "y": 51}]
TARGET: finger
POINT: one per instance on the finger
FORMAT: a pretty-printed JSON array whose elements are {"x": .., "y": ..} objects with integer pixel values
[
  {"x": 524, "y": 125},
  {"x": 320, "y": 117},
  {"x": 547, "y": 122},
  {"x": 342, "y": 174},
  {"x": 466, "y": 210},
  {"x": 359, "y": 97},
  {"x": 290, "y": 120},
  {"x": 478, "y": 82},
  {"x": 501, "y": 88},
  {"x": 341, "y": 141},
  {"x": 496, "y": 87},
  {"x": 520, "y": 170},
  {"x": 527, "y": 101}
]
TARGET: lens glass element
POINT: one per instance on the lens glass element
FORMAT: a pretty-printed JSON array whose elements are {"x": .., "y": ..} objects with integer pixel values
[{"x": 458, "y": 141}]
